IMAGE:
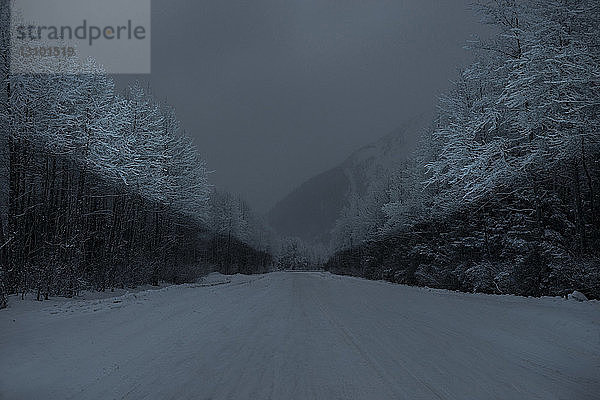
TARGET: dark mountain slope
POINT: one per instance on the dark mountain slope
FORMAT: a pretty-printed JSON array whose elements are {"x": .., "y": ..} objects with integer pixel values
[{"x": 310, "y": 211}]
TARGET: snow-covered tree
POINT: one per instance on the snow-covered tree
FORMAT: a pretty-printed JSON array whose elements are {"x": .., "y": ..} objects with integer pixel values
[{"x": 502, "y": 194}]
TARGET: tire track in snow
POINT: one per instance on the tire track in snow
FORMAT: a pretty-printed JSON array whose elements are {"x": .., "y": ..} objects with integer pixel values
[{"x": 352, "y": 340}]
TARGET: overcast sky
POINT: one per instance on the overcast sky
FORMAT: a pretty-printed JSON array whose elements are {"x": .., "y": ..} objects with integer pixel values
[{"x": 276, "y": 91}]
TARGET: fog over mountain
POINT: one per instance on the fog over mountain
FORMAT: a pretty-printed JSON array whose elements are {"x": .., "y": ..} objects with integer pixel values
[
  {"x": 276, "y": 92},
  {"x": 311, "y": 210}
]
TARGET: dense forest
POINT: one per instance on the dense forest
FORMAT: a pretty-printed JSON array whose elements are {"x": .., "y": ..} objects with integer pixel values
[
  {"x": 103, "y": 189},
  {"x": 502, "y": 194}
]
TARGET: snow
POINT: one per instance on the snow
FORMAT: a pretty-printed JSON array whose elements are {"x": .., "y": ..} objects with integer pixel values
[
  {"x": 576, "y": 295},
  {"x": 216, "y": 278},
  {"x": 300, "y": 336}
]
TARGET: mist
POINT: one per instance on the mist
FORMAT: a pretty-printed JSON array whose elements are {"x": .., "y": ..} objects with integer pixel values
[
  {"x": 304, "y": 199},
  {"x": 276, "y": 92}
]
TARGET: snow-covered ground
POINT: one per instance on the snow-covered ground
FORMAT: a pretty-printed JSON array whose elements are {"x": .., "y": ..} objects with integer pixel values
[{"x": 300, "y": 336}]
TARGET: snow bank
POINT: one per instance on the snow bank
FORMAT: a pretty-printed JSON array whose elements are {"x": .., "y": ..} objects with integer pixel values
[{"x": 577, "y": 296}]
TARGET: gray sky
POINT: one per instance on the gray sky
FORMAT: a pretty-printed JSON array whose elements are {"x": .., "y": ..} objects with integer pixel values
[{"x": 276, "y": 91}]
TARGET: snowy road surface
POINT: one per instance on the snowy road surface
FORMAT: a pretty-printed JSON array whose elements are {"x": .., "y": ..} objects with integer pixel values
[{"x": 301, "y": 336}]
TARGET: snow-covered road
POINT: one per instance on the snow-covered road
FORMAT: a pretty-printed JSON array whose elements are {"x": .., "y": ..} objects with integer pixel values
[{"x": 302, "y": 336}]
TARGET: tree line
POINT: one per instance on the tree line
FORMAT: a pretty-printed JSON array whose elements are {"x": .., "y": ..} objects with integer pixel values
[
  {"x": 501, "y": 195},
  {"x": 104, "y": 190}
]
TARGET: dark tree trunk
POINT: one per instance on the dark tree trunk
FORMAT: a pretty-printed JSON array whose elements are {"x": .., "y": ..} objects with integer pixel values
[{"x": 578, "y": 206}]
